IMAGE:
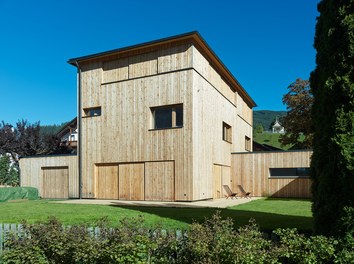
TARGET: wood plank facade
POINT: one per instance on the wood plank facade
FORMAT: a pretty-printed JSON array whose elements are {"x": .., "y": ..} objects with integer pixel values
[
  {"x": 159, "y": 121},
  {"x": 53, "y": 176},
  {"x": 252, "y": 171},
  {"x": 126, "y": 86}
]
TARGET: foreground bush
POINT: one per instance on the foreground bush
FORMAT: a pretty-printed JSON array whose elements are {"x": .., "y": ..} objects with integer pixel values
[{"x": 214, "y": 241}]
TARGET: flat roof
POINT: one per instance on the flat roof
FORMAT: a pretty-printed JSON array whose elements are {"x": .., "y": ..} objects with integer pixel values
[{"x": 195, "y": 38}]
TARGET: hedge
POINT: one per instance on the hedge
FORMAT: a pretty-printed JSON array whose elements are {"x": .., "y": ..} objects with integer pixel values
[{"x": 214, "y": 241}]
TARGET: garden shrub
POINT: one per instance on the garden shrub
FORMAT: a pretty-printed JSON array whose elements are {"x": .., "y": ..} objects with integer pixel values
[
  {"x": 296, "y": 248},
  {"x": 214, "y": 241}
]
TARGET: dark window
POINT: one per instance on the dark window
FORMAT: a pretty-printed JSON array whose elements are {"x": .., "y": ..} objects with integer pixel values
[
  {"x": 167, "y": 116},
  {"x": 179, "y": 116},
  {"x": 247, "y": 143},
  {"x": 92, "y": 111},
  {"x": 226, "y": 132},
  {"x": 289, "y": 172}
]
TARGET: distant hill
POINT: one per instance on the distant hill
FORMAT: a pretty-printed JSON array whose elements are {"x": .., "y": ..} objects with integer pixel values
[
  {"x": 266, "y": 117},
  {"x": 51, "y": 129}
]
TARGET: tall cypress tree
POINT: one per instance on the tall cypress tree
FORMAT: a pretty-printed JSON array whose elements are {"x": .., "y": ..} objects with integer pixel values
[{"x": 333, "y": 117}]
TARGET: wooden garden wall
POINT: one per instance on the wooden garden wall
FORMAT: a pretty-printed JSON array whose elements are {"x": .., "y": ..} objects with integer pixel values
[
  {"x": 251, "y": 170},
  {"x": 54, "y": 176}
]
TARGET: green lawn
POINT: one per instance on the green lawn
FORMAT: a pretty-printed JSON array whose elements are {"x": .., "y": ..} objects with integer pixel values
[
  {"x": 269, "y": 139},
  {"x": 269, "y": 213}
]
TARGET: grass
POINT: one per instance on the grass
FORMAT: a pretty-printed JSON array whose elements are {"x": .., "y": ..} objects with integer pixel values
[
  {"x": 269, "y": 139},
  {"x": 269, "y": 213}
]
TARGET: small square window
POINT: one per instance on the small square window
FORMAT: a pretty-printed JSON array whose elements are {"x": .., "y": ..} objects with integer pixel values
[
  {"x": 92, "y": 111},
  {"x": 226, "y": 132},
  {"x": 167, "y": 116}
]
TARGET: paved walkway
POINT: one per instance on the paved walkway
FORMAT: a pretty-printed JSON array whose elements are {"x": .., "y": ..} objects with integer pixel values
[{"x": 215, "y": 203}]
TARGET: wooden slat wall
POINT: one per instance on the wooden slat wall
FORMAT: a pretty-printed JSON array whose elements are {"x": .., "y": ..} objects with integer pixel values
[
  {"x": 131, "y": 182},
  {"x": 31, "y": 171},
  {"x": 122, "y": 133},
  {"x": 173, "y": 75},
  {"x": 107, "y": 181},
  {"x": 221, "y": 176},
  {"x": 210, "y": 110},
  {"x": 55, "y": 182},
  {"x": 251, "y": 170},
  {"x": 201, "y": 65},
  {"x": 159, "y": 181},
  {"x": 115, "y": 70},
  {"x": 216, "y": 182}
]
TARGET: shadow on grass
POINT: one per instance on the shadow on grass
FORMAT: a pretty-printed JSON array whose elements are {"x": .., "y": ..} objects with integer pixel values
[{"x": 266, "y": 221}]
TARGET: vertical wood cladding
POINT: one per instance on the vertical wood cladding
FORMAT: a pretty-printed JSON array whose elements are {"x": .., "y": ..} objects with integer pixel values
[
  {"x": 32, "y": 170},
  {"x": 127, "y": 88},
  {"x": 251, "y": 170},
  {"x": 131, "y": 182},
  {"x": 55, "y": 182},
  {"x": 107, "y": 182},
  {"x": 159, "y": 181}
]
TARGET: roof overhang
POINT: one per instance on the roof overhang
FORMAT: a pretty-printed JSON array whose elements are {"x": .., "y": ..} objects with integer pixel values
[{"x": 192, "y": 37}]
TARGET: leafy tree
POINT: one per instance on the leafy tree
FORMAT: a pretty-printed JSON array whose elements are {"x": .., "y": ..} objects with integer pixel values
[
  {"x": 333, "y": 116},
  {"x": 26, "y": 139},
  {"x": 8, "y": 172},
  {"x": 298, "y": 121},
  {"x": 259, "y": 129}
]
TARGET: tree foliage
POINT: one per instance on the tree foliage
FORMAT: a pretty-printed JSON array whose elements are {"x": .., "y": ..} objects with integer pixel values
[
  {"x": 8, "y": 172},
  {"x": 25, "y": 139},
  {"x": 259, "y": 129},
  {"x": 333, "y": 115},
  {"x": 298, "y": 121}
]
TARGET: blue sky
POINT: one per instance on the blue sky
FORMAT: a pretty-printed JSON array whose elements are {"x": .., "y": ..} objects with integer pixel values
[{"x": 265, "y": 44}]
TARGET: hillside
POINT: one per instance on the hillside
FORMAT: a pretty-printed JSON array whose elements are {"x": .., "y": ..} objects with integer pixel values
[
  {"x": 51, "y": 129},
  {"x": 266, "y": 117}
]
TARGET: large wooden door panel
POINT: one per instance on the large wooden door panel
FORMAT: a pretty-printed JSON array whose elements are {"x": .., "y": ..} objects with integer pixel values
[
  {"x": 221, "y": 176},
  {"x": 131, "y": 181},
  {"x": 55, "y": 182},
  {"x": 217, "y": 181},
  {"x": 159, "y": 181},
  {"x": 107, "y": 182}
]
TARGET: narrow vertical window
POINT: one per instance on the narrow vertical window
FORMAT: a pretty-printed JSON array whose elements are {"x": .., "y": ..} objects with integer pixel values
[
  {"x": 226, "y": 132},
  {"x": 247, "y": 143},
  {"x": 167, "y": 116}
]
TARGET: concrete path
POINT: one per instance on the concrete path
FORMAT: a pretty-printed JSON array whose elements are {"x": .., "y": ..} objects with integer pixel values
[{"x": 214, "y": 203}]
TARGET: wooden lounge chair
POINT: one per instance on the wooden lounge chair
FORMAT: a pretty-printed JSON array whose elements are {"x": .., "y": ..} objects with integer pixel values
[
  {"x": 244, "y": 193},
  {"x": 229, "y": 192}
]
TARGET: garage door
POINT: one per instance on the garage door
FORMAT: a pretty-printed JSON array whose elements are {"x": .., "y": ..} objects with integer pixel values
[
  {"x": 159, "y": 181},
  {"x": 221, "y": 176},
  {"x": 131, "y": 181},
  {"x": 107, "y": 181},
  {"x": 55, "y": 182}
]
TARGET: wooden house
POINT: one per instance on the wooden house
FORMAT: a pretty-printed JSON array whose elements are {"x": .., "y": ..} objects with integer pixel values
[
  {"x": 68, "y": 134},
  {"x": 156, "y": 121}
]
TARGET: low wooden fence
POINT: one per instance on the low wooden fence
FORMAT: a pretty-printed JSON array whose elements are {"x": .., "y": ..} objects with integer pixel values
[{"x": 5, "y": 229}]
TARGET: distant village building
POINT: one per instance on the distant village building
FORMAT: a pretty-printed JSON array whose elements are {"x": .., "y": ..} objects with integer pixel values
[
  {"x": 277, "y": 127},
  {"x": 69, "y": 134}
]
